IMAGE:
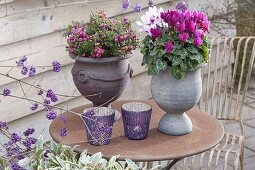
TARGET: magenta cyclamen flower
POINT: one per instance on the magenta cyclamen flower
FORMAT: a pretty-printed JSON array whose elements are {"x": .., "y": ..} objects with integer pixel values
[
  {"x": 184, "y": 37},
  {"x": 138, "y": 7},
  {"x": 199, "y": 33},
  {"x": 125, "y": 4},
  {"x": 169, "y": 46},
  {"x": 155, "y": 32},
  {"x": 198, "y": 41}
]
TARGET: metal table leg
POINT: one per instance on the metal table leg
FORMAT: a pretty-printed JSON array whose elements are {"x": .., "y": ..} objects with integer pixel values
[{"x": 168, "y": 167}]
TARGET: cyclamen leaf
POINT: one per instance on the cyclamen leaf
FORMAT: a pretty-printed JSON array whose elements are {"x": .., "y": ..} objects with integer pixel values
[
  {"x": 178, "y": 73},
  {"x": 176, "y": 61},
  {"x": 184, "y": 66},
  {"x": 197, "y": 57},
  {"x": 161, "y": 65},
  {"x": 152, "y": 70},
  {"x": 192, "y": 49}
]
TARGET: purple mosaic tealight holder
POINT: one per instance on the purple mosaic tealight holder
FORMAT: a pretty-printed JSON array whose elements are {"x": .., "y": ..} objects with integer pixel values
[
  {"x": 99, "y": 122},
  {"x": 136, "y": 118}
]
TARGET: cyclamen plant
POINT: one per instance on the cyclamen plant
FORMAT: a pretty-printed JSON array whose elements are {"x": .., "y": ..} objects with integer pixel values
[
  {"x": 175, "y": 38},
  {"x": 101, "y": 37}
]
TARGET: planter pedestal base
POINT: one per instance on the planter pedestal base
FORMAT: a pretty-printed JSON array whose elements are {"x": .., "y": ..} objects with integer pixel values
[{"x": 175, "y": 124}]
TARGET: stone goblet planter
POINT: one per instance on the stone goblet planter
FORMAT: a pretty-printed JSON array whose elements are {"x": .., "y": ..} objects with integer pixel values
[
  {"x": 175, "y": 97},
  {"x": 99, "y": 122},
  {"x": 101, "y": 80},
  {"x": 136, "y": 120}
]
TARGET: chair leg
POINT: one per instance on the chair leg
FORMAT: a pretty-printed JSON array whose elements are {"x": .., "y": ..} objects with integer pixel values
[{"x": 242, "y": 157}]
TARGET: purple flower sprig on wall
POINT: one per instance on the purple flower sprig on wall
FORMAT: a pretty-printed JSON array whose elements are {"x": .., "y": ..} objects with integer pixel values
[
  {"x": 150, "y": 3},
  {"x": 183, "y": 6},
  {"x": 125, "y": 4},
  {"x": 56, "y": 66},
  {"x": 6, "y": 92},
  {"x": 138, "y": 7}
]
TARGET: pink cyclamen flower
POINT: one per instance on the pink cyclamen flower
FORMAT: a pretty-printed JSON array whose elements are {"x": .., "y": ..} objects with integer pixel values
[
  {"x": 184, "y": 37},
  {"x": 198, "y": 41},
  {"x": 180, "y": 27},
  {"x": 199, "y": 33},
  {"x": 169, "y": 47},
  {"x": 190, "y": 26},
  {"x": 155, "y": 32}
]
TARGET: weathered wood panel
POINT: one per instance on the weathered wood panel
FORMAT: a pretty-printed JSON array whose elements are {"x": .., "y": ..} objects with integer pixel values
[{"x": 42, "y": 50}]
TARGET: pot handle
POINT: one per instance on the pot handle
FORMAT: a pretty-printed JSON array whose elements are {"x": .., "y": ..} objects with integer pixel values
[
  {"x": 83, "y": 76},
  {"x": 130, "y": 71}
]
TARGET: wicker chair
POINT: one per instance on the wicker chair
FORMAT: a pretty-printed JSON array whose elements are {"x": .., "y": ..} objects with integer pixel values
[{"x": 225, "y": 83}]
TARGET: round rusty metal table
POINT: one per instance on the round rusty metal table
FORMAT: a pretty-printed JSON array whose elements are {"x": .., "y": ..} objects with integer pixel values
[{"x": 207, "y": 132}]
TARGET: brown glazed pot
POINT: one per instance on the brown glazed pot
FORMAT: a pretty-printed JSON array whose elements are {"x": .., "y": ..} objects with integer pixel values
[{"x": 101, "y": 80}]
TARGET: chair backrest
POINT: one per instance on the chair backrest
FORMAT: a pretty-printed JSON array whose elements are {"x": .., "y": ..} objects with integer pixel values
[{"x": 226, "y": 77}]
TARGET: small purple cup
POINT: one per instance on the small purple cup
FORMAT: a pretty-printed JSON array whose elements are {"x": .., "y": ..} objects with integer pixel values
[
  {"x": 99, "y": 123},
  {"x": 136, "y": 118}
]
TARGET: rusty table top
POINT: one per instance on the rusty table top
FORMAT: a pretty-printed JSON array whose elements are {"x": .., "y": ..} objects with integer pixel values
[{"x": 207, "y": 132}]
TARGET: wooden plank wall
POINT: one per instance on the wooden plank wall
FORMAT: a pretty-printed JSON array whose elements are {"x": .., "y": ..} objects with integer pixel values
[{"x": 34, "y": 28}]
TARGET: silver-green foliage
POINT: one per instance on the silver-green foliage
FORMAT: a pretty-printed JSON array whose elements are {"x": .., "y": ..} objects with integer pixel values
[{"x": 62, "y": 157}]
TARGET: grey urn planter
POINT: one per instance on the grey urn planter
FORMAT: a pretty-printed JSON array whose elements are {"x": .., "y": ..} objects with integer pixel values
[
  {"x": 175, "y": 97},
  {"x": 101, "y": 80}
]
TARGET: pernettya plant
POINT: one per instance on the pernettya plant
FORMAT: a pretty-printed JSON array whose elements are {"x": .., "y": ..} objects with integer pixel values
[
  {"x": 101, "y": 37},
  {"x": 175, "y": 38},
  {"x": 61, "y": 157}
]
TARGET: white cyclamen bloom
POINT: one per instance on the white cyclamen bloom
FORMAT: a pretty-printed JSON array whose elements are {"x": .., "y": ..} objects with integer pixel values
[{"x": 151, "y": 19}]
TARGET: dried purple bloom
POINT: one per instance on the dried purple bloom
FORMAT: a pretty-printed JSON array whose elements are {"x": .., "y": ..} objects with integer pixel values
[
  {"x": 6, "y": 92},
  {"x": 63, "y": 132},
  {"x": 51, "y": 115},
  {"x": 24, "y": 70},
  {"x": 138, "y": 7},
  {"x": 63, "y": 118},
  {"x": 15, "y": 137},
  {"x": 29, "y": 131},
  {"x": 21, "y": 62},
  {"x": 19, "y": 157},
  {"x": 47, "y": 108},
  {"x": 32, "y": 71},
  {"x": 34, "y": 106},
  {"x": 32, "y": 140},
  {"x": 182, "y": 6},
  {"x": 46, "y": 101},
  {"x": 56, "y": 66},
  {"x": 150, "y": 3},
  {"x": 27, "y": 144},
  {"x": 3, "y": 125},
  {"x": 40, "y": 92},
  {"x": 125, "y": 4},
  {"x": 15, "y": 166},
  {"x": 50, "y": 94}
]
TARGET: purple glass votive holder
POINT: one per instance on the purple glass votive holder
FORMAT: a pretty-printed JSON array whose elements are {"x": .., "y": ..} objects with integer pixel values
[
  {"x": 136, "y": 118},
  {"x": 99, "y": 122}
]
